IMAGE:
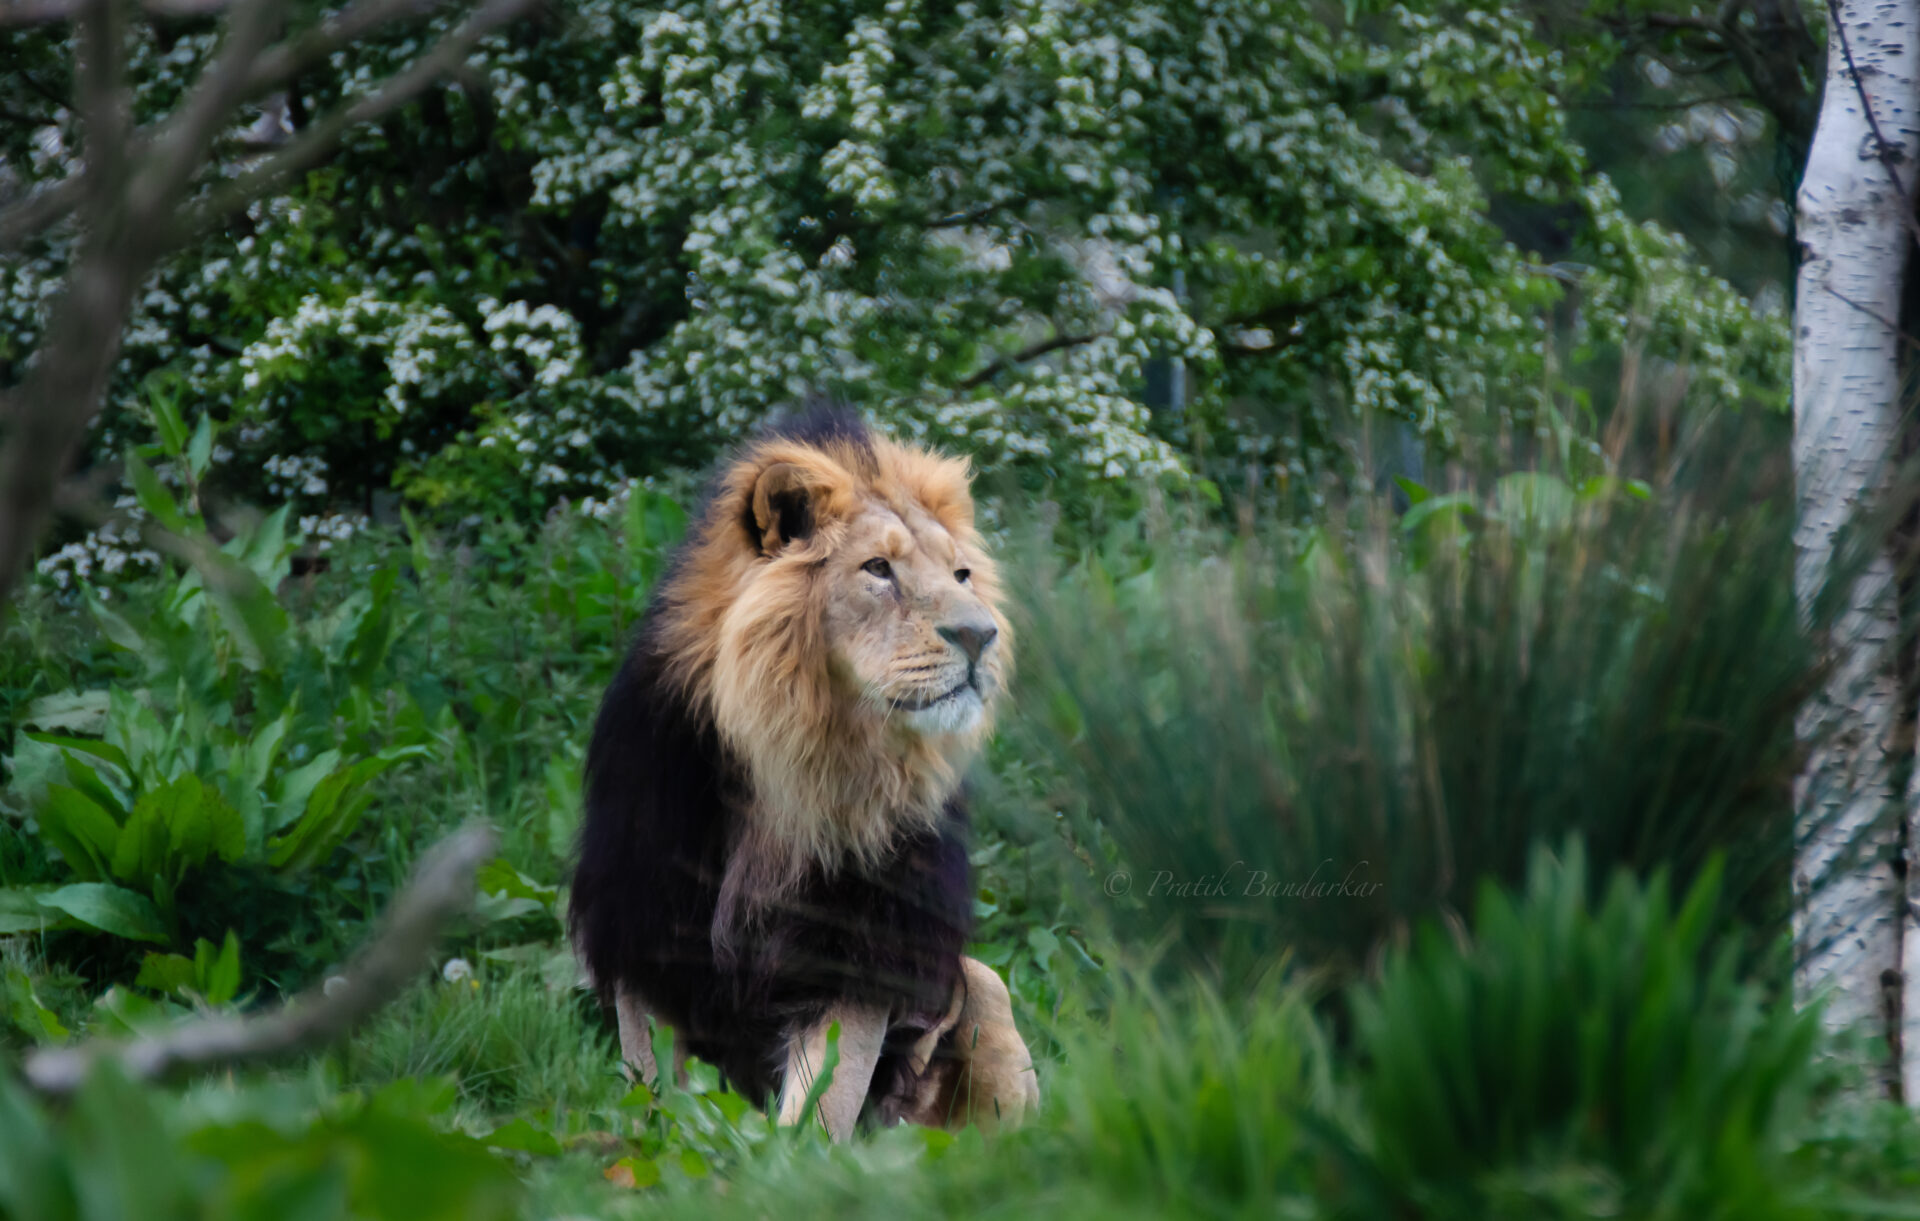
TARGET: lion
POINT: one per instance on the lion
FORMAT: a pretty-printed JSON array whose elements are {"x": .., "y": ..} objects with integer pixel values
[{"x": 775, "y": 833}]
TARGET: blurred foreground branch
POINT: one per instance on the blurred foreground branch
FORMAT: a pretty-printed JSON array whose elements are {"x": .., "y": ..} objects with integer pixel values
[
  {"x": 441, "y": 889},
  {"x": 142, "y": 193}
]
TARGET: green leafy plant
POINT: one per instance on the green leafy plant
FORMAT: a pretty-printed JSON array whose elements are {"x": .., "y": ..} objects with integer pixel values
[
  {"x": 213, "y": 760},
  {"x": 126, "y": 1151},
  {"x": 1579, "y": 1059},
  {"x": 1310, "y": 738}
]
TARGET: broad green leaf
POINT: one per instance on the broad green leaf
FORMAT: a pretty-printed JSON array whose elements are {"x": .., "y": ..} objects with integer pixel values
[
  {"x": 108, "y": 908},
  {"x": 263, "y": 549},
  {"x": 216, "y": 973},
  {"x": 200, "y": 449},
  {"x": 408, "y": 1171},
  {"x": 1043, "y": 942},
  {"x": 89, "y": 746},
  {"x": 162, "y": 401},
  {"x": 297, "y": 786},
  {"x": 78, "y": 712},
  {"x": 165, "y": 972},
  {"x": 34, "y": 1019},
  {"x": 498, "y": 877},
  {"x": 247, "y": 609},
  {"x": 20, "y": 911},
  {"x": 523, "y": 1136},
  {"x": 86, "y": 835},
  {"x": 154, "y": 497},
  {"x": 262, "y": 748},
  {"x": 134, "y": 730},
  {"x": 175, "y": 828},
  {"x": 84, "y": 774},
  {"x": 372, "y": 639},
  {"x": 333, "y": 811},
  {"x": 132, "y": 1168},
  {"x": 1436, "y": 509},
  {"x": 35, "y": 1175},
  {"x": 116, "y": 628}
]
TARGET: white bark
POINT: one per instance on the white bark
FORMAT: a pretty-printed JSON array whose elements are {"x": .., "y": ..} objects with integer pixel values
[{"x": 1852, "y": 928}]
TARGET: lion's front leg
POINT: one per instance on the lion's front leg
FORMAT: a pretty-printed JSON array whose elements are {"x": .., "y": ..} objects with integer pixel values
[
  {"x": 863, "y": 1028},
  {"x": 631, "y": 1011}
]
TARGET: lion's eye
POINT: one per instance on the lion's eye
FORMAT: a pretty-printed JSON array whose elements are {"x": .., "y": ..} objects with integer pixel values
[
  {"x": 879, "y": 568},
  {"x": 961, "y": 574}
]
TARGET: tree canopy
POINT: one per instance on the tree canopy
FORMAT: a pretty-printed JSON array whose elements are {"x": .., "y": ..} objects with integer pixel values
[{"x": 626, "y": 232}]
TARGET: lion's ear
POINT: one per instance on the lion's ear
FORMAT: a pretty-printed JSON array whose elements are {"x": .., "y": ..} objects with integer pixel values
[{"x": 782, "y": 507}]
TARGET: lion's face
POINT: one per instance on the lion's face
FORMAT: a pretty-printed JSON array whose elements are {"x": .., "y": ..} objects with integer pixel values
[
  {"x": 906, "y": 629},
  {"x": 838, "y": 615}
]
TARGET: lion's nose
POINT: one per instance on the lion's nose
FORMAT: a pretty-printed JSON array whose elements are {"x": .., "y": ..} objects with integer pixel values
[{"x": 973, "y": 638}]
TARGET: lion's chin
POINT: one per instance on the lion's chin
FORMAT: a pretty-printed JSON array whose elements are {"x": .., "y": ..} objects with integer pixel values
[{"x": 957, "y": 712}]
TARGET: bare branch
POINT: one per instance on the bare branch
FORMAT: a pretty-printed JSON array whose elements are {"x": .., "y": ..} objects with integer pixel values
[
  {"x": 959, "y": 220},
  {"x": 286, "y": 61},
  {"x": 1001, "y": 364},
  {"x": 40, "y": 210},
  {"x": 182, "y": 142},
  {"x": 442, "y": 888},
  {"x": 133, "y": 212},
  {"x": 106, "y": 115},
  {"x": 36, "y": 12},
  {"x": 40, "y": 12},
  {"x": 314, "y": 142}
]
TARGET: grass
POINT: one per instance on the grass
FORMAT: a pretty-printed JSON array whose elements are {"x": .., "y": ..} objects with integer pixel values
[{"x": 1476, "y": 1032}]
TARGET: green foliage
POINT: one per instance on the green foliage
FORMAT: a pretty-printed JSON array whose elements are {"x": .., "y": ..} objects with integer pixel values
[
  {"x": 211, "y": 760},
  {"x": 993, "y": 225},
  {"x": 1391, "y": 711},
  {"x": 123, "y": 1152},
  {"x": 1579, "y": 1061}
]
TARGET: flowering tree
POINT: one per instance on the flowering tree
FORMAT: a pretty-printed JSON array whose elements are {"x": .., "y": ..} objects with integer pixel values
[{"x": 613, "y": 242}]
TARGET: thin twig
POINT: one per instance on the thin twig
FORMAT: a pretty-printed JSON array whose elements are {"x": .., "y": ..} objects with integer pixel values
[
  {"x": 39, "y": 210},
  {"x": 132, "y": 197},
  {"x": 961, "y": 219},
  {"x": 41, "y": 12},
  {"x": 1876, "y": 315},
  {"x": 1001, "y": 364},
  {"x": 442, "y": 888},
  {"x": 318, "y": 138}
]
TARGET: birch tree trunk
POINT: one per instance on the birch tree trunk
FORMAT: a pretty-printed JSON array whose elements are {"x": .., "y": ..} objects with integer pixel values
[{"x": 1854, "y": 934}]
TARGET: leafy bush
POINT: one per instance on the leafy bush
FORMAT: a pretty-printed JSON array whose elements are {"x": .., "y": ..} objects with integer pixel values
[
  {"x": 263, "y": 1153},
  {"x": 1579, "y": 1061},
  {"x": 633, "y": 229},
  {"x": 1309, "y": 740},
  {"x": 228, "y": 752}
]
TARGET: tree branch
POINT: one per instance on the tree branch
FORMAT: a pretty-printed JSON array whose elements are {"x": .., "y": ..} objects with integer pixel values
[
  {"x": 317, "y": 139},
  {"x": 39, "y": 210},
  {"x": 1001, "y": 364},
  {"x": 133, "y": 210},
  {"x": 960, "y": 220},
  {"x": 442, "y": 888},
  {"x": 15, "y": 13}
]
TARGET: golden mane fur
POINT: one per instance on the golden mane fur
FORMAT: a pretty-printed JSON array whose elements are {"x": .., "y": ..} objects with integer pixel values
[{"x": 800, "y": 655}]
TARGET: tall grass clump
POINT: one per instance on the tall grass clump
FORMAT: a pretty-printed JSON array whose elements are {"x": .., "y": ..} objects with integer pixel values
[
  {"x": 1308, "y": 739},
  {"x": 1578, "y": 1059}
]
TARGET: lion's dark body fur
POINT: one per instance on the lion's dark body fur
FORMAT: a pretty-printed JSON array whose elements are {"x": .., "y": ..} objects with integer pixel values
[{"x": 664, "y": 807}]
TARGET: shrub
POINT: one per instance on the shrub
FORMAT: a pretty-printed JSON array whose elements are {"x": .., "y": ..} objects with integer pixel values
[
  {"x": 1307, "y": 740},
  {"x": 1577, "y": 1060},
  {"x": 632, "y": 229}
]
